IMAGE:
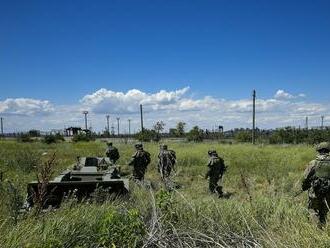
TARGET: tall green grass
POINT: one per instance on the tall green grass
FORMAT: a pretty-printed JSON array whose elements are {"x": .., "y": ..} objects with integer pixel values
[{"x": 262, "y": 211}]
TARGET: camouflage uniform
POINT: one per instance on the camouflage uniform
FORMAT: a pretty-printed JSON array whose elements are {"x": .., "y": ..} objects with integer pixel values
[
  {"x": 215, "y": 172},
  {"x": 140, "y": 161},
  {"x": 112, "y": 153},
  {"x": 167, "y": 160},
  {"x": 317, "y": 181}
]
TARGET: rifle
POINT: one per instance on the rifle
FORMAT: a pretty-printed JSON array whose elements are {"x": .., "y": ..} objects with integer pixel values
[{"x": 298, "y": 193}]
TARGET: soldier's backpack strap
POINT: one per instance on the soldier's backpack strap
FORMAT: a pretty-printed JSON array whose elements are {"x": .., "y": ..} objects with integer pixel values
[{"x": 147, "y": 157}]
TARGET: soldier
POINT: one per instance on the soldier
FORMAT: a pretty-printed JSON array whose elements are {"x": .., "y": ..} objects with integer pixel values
[
  {"x": 167, "y": 160},
  {"x": 215, "y": 172},
  {"x": 317, "y": 181},
  {"x": 140, "y": 161},
  {"x": 112, "y": 153}
]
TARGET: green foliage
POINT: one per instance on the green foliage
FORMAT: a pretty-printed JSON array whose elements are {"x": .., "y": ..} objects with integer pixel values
[
  {"x": 122, "y": 229},
  {"x": 51, "y": 138},
  {"x": 261, "y": 212},
  {"x": 243, "y": 136},
  {"x": 286, "y": 135},
  {"x": 195, "y": 134},
  {"x": 34, "y": 133},
  {"x": 179, "y": 131},
  {"x": 13, "y": 200},
  {"x": 82, "y": 137},
  {"x": 148, "y": 135},
  {"x": 24, "y": 138},
  {"x": 25, "y": 159},
  {"x": 166, "y": 202},
  {"x": 159, "y": 126}
]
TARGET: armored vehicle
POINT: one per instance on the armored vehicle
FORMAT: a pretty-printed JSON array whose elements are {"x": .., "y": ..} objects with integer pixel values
[{"x": 87, "y": 175}]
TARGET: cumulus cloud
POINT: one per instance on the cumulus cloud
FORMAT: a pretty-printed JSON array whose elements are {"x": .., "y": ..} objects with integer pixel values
[
  {"x": 284, "y": 108},
  {"x": 105, "y": 101},
  {"x": 25, "y": 106},
  {"x": 282, "y": 95},
  {"x": 169, "y": 106}
]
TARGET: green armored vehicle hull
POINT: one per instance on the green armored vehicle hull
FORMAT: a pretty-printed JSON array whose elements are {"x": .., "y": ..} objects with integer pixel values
[{"x": 87, "y": 175}]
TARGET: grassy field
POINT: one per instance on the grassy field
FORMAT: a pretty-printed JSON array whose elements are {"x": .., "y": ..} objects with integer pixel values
[{"x": 262, "y": 211}]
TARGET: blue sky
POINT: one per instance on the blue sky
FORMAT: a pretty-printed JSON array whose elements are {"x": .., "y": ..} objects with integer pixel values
[{"x": 61, "y": 51}]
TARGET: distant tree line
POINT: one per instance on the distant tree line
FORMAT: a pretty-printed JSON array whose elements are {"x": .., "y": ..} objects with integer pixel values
[{"x": 285, "y": 135}]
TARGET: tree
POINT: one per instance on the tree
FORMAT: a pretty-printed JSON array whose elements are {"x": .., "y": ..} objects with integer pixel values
[
  {"x": 50, "y": 138},
  {"x": 243, "y": 136},
  {"x": 34, "y": 133},
  {"x": 195, "y": 134},
  {"x": 159, "y": 126},
  {"x": 172, "y": 132},
  {"x": 180, "y": 126},
  {"x": 147, "y": 135}
]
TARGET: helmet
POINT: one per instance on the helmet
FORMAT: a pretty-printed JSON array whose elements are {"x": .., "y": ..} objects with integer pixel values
[
  {"x": 323, "y": 146},
  {"x": 138, "y": 146},
  {"x": 109, "y": 143},
  {"x": 212, "y": 152},
  {"x": 163, "y": 146}
]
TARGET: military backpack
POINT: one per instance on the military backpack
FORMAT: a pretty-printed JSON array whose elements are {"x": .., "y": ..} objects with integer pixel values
[{"x": 321, "y": 178}]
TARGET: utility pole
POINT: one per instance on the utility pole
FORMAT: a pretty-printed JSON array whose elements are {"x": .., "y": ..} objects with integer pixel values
[
  {"x": 322, "y": 121},
  {"x": 141, "y": 113},
  {"x": 108, "y": 125},
  {"x": 306, "y": 123},
  {"x": 129, "y": 127},
  {"x": 1, "y": 119},
  {"x": 112, "y": 130},
  {"x": 85, "y": 113},
  {"x": 254, "y": 117},
  {"x": 118, "y": 125}
]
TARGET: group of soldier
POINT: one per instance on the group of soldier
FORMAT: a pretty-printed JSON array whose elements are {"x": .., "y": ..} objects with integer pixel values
[
  {"x": 316, "y": 177},
  {"x": 166, "y": 165}
]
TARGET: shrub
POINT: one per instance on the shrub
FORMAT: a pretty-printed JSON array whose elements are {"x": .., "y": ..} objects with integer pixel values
[
  {"x": 26, "y": 160},
  {"x": 24, "y": 138},
  {"x": 195, "y": 134},
  {"x": 243, "y": 136},
  {"x": 13, "y": 201},
  {"x": 49, "y": 139},
  {"x": 83, "y": 137},
  {"x": 148, "y": 135},
  {"x": 34, "y": 133}
]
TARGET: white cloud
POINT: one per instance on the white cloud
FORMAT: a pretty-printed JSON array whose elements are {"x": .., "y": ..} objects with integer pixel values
[
  {"x": 282, "y": 95},
  {"x": 25, "y": 106},
  {"x": 170, "y": 106},
  {"x": 107, "y": 101}
]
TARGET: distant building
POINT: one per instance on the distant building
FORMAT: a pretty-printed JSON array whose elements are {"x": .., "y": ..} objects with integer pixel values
[
  {"x": 71, "y": 131},
  {"x": 57, "y": 131}
]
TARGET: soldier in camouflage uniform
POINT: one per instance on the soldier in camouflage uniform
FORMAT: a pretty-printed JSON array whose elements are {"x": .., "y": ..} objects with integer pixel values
[
  {"x": 215, "y": 172},
  {"x": 317, "y": 181},
  {"x": 140, "y": 161},
  {"x": 167, "y": 160},
  {"x": 112, "y": 153}
]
